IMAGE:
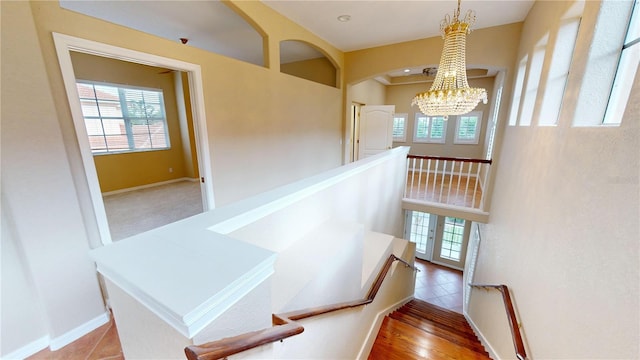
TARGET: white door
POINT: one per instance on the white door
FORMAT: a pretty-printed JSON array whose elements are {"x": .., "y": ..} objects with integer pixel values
[
  {"x": 376, "y": 129},
  {"x": 420, "y": 229},
  {"x": 450, "y": 246}
]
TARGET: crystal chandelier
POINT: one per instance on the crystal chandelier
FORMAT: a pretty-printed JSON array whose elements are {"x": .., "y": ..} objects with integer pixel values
[{"x": 450, "y": 93}]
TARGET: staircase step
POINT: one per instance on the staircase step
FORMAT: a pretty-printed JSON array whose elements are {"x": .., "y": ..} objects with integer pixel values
[
  {"x": 438, "y": 315},
  {"x": 398, "y": 340},
  {"x": 463, "y": 339}
]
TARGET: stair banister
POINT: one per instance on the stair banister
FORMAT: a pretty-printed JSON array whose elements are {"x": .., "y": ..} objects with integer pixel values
[
  {"x": 511, "y": 316},
  {"x": 285, "y": 325}
]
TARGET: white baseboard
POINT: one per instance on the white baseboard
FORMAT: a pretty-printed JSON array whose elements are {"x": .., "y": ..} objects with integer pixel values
[
  {"x": 375, "y": 327},
  {"x": 74, "y": 334},
  {"x": 146, "y": 186},
  {"x": 483, "y": 340},
  {"x": 28, "y": 350}
]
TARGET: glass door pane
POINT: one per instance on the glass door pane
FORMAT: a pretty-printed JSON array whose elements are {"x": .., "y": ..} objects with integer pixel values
[
  {"x": 450, "y": 245},
  {"x": 419, "y": 229}
]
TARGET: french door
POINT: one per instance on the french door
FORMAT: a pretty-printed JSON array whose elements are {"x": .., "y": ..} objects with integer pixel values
[
  {"x": 440, "y": 239},
  {"x": 420, "y": 229}
]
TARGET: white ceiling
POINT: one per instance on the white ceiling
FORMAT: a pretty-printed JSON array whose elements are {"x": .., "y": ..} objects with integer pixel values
[{"x": 212, "y": 26}]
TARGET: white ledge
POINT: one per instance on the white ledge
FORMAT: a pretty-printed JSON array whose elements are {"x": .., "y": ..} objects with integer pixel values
[{"x": 186, "y": 277}]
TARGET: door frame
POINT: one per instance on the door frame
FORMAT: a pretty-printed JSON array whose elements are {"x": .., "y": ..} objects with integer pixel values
[{"x": 64, "y": 44}]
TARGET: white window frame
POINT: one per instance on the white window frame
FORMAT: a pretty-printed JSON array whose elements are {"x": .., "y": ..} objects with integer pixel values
[
  {"x": 405, "y": 119},
  {"x": 429, "y": 139},
  {"x": 127, "y": 118},
  {"x": 476, "y": 139}
]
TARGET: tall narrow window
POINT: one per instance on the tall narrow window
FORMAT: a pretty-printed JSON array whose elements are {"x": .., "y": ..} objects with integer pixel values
[
  {"x": 626, "y": 72},
  {"x": 468, "y": 128},
  {"x": 429, "y": 129},
  {"x": 400, "y": 127},
  {"x": 532, "y": 83},
  {"x": 517, "y": 91},
  {"x": 123, "y": 119},
  {"x": 558, "y": 72}
]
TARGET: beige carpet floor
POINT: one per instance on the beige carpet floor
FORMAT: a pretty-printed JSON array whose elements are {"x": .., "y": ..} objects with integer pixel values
[{"x": 137, "y": 211}]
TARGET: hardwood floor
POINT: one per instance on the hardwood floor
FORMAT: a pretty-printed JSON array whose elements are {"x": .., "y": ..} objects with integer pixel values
[
  {"x": 452, "y": 189},
  {"x": 432, "y": 325},
  {"x": 420, "y": 330}
]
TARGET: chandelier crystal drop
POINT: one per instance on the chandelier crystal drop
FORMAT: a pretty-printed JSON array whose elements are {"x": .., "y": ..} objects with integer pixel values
[{"x": 450, "y": 93}]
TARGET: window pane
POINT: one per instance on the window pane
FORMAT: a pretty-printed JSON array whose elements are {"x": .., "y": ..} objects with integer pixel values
[
  {"x": 467, "y": 128},
  {"x": 104, "y": 92},
  {"x": 89, "y": 108},
  {"x": 94, "y": 127},
  {"x": 109, "y": 108},
  {"x": 422, "y": 126},
  {"x": 97, "y": 143},
  {"x": 86, "y": 91},
  {"x": 419, "y": 230},
  {"x": 452, "y": 239},
  {"x": 398, "y": 127},
  {"x": 114, "y": 127},
  {"x": 437, "y": 128},
  {"x": 117, "y": 142}
]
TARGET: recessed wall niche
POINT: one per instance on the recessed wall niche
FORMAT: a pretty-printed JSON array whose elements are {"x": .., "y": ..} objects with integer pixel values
[{"x": 301, "y": 59}]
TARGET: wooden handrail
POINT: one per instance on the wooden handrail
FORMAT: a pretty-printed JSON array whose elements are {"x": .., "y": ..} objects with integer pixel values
[
  {"x": 284, "y": 325},
  {"x": 511, "y": 315},
  {"x": 479, "y": 161}
]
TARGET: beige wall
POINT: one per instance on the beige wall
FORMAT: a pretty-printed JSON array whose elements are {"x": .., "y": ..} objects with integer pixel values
[
  {"x": 368, "y": 92},
  {"x": 39, "y": 197},
  {"x": 263, "y": 127},
  {"x": 126, "y": 170},
  {"x": 564, "y": 228},
  {"x": 401, "y": 96},
  {"x": 320, "y": 70}
]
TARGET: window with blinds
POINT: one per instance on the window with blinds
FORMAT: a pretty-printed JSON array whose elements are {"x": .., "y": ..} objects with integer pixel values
[
  {"x": 123, "y": 119},
  {"x": 400, "y": 127},
  {"x": 468, "y": 128},
  {"x": 429, "y": 129}
]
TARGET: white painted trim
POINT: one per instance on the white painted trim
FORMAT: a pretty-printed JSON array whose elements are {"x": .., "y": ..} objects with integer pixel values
[
  {"x": 80, "y": 331},
  {"x": 375, "y": 327},
  {"x": 146, "y": 186},
  {"x": 481, "y": 337},
  {"x": 64, "y": 44},
  {"x": 29, "y": 349}
]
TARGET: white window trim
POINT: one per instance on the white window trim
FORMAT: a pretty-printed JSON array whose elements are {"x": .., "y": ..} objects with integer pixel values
[
  {"x": 402, "y": 138},
  {"x": 428, "y": 139},
  {"x": 476, "y": 139}
]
